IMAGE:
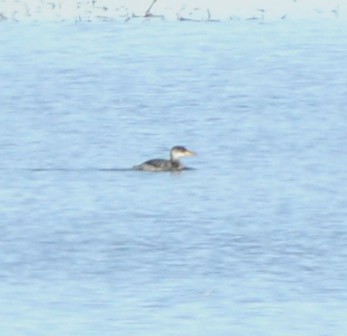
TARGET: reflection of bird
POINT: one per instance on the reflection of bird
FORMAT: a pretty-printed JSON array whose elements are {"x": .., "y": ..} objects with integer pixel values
[{"x": 166, "y": 165}]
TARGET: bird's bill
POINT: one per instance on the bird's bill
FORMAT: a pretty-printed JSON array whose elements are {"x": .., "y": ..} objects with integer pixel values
[{"x": 189, "y": 153}]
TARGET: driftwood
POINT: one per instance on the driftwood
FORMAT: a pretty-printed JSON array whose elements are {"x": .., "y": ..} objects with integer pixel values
[
  {"x": 180, "y": 17},
  {"x": 148, "y": 11}
]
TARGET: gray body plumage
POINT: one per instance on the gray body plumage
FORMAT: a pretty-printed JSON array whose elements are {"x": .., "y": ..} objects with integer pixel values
[
  {"x": 166, "y": 165},
  {"x": 159, "y": 165}
]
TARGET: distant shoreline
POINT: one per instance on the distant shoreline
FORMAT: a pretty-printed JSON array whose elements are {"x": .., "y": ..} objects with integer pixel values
[{"x": 193, "y": 10}]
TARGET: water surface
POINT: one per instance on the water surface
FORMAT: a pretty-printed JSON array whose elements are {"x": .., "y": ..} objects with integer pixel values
[{"x": 251, "y": 241}]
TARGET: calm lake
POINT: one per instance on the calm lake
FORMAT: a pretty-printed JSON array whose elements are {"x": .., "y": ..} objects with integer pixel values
[{"x": 252, "y": 241}]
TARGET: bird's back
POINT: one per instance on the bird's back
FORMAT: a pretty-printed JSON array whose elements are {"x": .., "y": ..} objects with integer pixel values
[{"x": 158, "y": 165}]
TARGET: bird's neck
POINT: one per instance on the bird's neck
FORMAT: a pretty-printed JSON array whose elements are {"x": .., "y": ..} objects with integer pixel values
[{"x": 173, "y": 158}]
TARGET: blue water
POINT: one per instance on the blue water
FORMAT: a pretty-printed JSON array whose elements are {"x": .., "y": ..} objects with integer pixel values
[{"x": 250, "y": 242}]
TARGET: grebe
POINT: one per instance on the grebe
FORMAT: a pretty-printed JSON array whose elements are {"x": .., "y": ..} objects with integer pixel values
[{"x": 167, "y": 165}]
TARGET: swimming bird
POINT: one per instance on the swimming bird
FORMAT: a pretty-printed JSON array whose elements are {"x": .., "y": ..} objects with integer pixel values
[{"x": 166, "y": 165}]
